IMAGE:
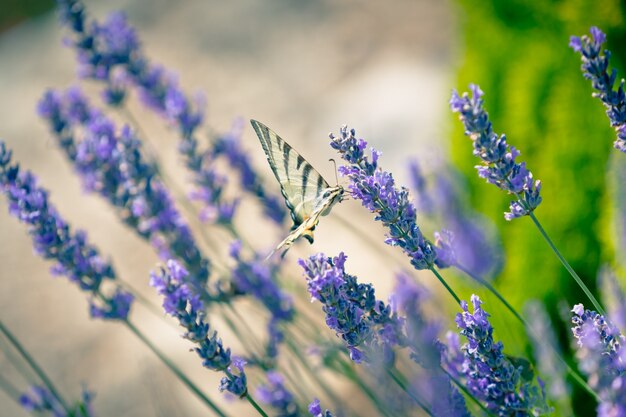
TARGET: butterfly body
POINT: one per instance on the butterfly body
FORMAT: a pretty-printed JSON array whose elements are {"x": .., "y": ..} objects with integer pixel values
[{"x": 307, "y": 195}]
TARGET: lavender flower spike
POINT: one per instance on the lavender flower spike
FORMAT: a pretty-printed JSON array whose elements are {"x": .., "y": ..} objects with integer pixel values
[
  {"x": 40, "y": 400},
  {"x": 180, "y": 302},
  {"x": 53, "y": 239},
  {"x": 601, "y": 357},
  {"x": 378, "y": 192},
  {"x": 595, "y": 67},
  {"x": 490, "y": 375},
  {"x": 278, "y": 396},
  {"x": 315, "y": 409},
  {"x": 111, "y": 162},
  {"x": 498, "y": 158},
  {"x": 366, "y": 325}
]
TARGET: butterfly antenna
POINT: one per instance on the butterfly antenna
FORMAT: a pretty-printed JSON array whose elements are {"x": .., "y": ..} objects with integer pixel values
[{"x": 335, "y": 164}]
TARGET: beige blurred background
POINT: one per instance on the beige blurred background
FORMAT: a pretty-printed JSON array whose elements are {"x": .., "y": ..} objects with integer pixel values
[{"x": 303, "y": 68}]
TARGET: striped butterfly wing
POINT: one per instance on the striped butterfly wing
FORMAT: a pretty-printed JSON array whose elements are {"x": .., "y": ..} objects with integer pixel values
[{"x": 300, "y": 183}]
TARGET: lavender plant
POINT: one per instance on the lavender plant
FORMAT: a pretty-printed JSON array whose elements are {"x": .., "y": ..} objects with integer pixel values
[
  {"x": 489, "y": 375},
  {"x": 600, "y": 355},
  {"x": 595, "y": 67},
  {"x": 406, "y": 365}
]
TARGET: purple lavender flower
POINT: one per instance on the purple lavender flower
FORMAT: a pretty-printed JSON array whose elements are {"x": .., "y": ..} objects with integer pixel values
[
  {"x": 111, "y": 163},
  {"x": 229, "y": 146},
  {"x": 315, "y": 409},
  {"x": 257, "y": 278},
  {"x": 469, "y": 239},
  {"x": 377, "y": 191},
  {"x": 53, "y": 239},
  {"x": 419, "y": 184},
  {"x": 278, "y": 396},
  {"x": 434, "y": 386},
  {"x": 595, "y": 67},
  {"x": 39, "y": 399},
  {"x": 180, "y": 302},
  {"x": 498, "y": 158},
  {"x": 601, "y": 357},
  {"x": 613, "y": 294},
  {"x": 489, "y": 374},
  {"x": 235, "y": 384},
  {"x": 105, "y": 50},
  {"x": 366, "y": 325},
  {"x": 544, "y": 342}
]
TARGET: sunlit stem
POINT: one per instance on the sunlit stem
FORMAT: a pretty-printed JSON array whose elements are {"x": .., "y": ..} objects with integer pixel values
[
  {"x": 567, "y": 266},
  {"x": 445, "y": 284}
]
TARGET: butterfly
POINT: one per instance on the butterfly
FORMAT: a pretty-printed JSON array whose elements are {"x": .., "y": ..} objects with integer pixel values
[{"x": 307, "y": 194}]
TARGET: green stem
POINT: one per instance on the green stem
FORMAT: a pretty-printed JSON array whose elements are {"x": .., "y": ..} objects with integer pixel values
[
  {"x": 579, "y": 380},
  {"x": 491, "y": 289},
  {"x": 255, "y": 405},
  {"x": 35, "y": 367},
  {"x": 9, "y": 389},
  {"x": 402, "y": 385},
  {"x": 290, "y": 343},
  {"x": 445, "y": 284},
  {"x": 567, "y": 266},
  {"x": 350, "y": 374},
  {"x": 179, "y": 374},
  {"x": 466, "y": 391}
]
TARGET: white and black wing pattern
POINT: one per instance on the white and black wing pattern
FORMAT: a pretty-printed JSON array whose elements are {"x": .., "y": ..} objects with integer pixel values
[{"x": 301, "y": 185}]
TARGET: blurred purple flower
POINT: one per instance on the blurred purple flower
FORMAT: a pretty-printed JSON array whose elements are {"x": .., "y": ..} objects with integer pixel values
[
  {"x": 52, "y": 237},
  {"x": 112, "y": 164},
  {"x": 40, "y": 400},
  {"x": 601, "y": 355},
  {"x": 229, "y": 146},
  {"x": 258, "y": 279},
  {"x": 442, "y": 398},
  {"x": 275, "y": 394},
  {"x": 469, "y": 240},
  {"x": 315, "y": 409}
]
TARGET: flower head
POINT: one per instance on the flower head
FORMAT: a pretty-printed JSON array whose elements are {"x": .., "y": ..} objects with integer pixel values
[
  {"x": 378, "y": 192},
  {"x": 498, "y": 158},
  {"x": 75, "y": 257},
  {"x": 112, "y": 163},
  {"x": 488, "y": 373},
  {"x": 180, "y": 302},
  {"x": 601, "y": 357},
  {"x": 275, "y": 394},
  {"x": 595, "y": 67},
  {"x": 367, "y": 326},
  {"x": 315, "y": 409}
]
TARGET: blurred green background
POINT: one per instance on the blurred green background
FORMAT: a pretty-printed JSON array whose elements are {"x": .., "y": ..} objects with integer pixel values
[{"x": 13, "y": 12}]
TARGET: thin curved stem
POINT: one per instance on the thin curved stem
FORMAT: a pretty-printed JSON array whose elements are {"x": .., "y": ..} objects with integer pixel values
[
  {"x": 403, "y": 386},
  {"x": 255, "y": 405},
  {"x": 9, "y": 389},
  {"x": 34, "y": 366},
  {"x": 179, "y": 374},
  {"x": 567, "y": 266},
  {"x": 445, "y": 284}
]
